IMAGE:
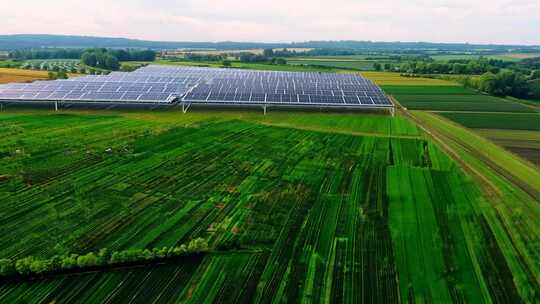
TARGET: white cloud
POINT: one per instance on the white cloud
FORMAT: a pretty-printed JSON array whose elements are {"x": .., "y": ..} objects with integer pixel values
[{"x": 475, "y": 21}]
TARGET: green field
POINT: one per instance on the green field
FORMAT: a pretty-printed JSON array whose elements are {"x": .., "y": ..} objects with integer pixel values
[
  {"x": 447, "y": 98},
  {"x": 249, "y": 66},
  {"x": 362, "y": 65},
  {"x": 510, "y": 121},
  {"x": 524, "y": 143},
  {"x": 514, "y": 57},
  {"x": 296, "y": 207}
]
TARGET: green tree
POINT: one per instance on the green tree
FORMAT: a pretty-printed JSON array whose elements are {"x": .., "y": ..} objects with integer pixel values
[
  {"x": 61, "y": 75},
  {"x": 51, "y": 75},
  {"x": 268, "y": 52},
  {"x": 227, "y": 63},
  {"x": 198, "y": 245},
  {"x": 377, "y": 66},
  {"x": 89, "y": 58},
  {"x": 23, "y": 266},
  {"x": 6, "y": 267},
  {"x": 111, "y": 63}
]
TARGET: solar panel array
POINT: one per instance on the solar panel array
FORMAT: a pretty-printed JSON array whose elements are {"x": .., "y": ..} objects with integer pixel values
[{"x": 167, "y": 84}]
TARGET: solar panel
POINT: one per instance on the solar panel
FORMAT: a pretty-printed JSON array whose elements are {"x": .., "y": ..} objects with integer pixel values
[{"x": 207, "y": 85}]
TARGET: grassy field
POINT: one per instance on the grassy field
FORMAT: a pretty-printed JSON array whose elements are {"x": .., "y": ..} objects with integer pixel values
[{"x": 313, "y": 207}]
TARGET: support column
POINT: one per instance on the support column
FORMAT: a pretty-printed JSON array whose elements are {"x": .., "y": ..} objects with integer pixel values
[
  {"x": 56, "y": 106},
  {"x": 264, "y": 109},
  {"x": 184, "y": 107}
]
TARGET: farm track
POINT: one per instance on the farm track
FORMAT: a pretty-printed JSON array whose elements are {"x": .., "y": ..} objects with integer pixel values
[{"x": 529, "y": 189}]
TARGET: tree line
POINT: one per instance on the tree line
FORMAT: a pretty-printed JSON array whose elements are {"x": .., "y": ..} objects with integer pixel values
[
  {"x": 110, "y": 59},
  {"x": 46, "y": 54},
  {"x": 31, "y": 266},
  {"x": 495, "y": 77},
  {"x": 504, "y": 83},
  {"x": 258, "y": 58}
]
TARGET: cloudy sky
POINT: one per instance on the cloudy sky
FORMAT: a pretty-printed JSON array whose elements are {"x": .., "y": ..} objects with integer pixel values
[{"x": 474, "y": 21}]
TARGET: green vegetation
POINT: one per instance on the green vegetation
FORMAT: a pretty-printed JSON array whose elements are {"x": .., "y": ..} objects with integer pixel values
[
  {"x": 452, "y": 99},
  {"x": 523, "y": 143},
  {"x": 265, "y": 66},
  {"x": 110, "y": 59},
  {"x": 322, "y": 207},
  {"x": 53, "y": 65},
  {"x": 511, "y": 121},
  {"x": 53, "y": 53},
  {"x": 32, "y": 267},
  {"x": 361, "y": 65}
]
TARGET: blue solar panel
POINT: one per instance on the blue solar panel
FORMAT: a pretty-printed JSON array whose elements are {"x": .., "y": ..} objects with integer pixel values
[{"x": 166, "y": 83}]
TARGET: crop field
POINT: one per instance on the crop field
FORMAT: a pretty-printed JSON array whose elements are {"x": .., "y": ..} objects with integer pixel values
[
  {"x": 251, "y": 66},
  {"x": 395, "y": 79},
  {"x": 472, "y": 103},
  {"x": 452, "y": 98},
  {"x": 364, "y": 65},
  {"x": 19, "y": 75},
  {"x": 523, "y": 143},
  {"x": 509, "y": 121},
  {"x": 517, "y": 132},
  {"x": 296, "y": 207},
  {"x": 504, "y": 56}
]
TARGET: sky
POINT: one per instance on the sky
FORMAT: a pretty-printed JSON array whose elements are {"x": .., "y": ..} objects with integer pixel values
[{"x": 473, "y": 21}]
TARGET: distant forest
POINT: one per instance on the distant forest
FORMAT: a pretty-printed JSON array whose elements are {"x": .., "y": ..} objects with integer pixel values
[{"x": 14, "y": 42}]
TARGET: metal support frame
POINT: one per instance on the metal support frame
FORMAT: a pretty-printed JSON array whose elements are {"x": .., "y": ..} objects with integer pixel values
[
  {"x": 185, "y": 107},
  {"x": 264, "y": 109},
  {"x": 56, "y": 106}
]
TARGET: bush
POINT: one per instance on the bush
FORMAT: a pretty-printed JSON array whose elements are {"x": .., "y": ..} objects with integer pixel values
[{"x": 32, "y": 266}]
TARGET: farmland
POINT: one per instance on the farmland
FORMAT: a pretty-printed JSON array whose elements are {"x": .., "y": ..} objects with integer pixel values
[
  {"x": 364, "y": 65},
  {"x": 18, "y": 75},
  {"x": 517, "y": 132},
  {"x": 451, "y": 98},
  {"x": 491, "y": 115},
  {"x": 511, "y": 121},
  {"x": 241, "y": 65},
  {"x": 395, "y": 79},
  {"x": 295, "y": 206},
  {"x": 523, "y": 143},
  {"x": 503, "y": 56}
]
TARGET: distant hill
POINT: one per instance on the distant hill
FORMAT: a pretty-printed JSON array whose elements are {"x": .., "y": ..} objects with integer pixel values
[{"x": 12, "y": 42}]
